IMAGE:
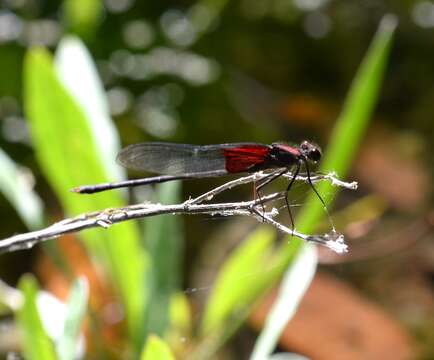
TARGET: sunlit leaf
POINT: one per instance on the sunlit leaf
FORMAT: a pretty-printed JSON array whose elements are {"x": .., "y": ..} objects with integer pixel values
[
  {"x": 349, "y": 129},
  {"x": 180, "y": 321},
  {"x": 165, "y": 245},
  {"x": 354, "y": 119},
  {"x": 82, "y": 16},
  {"x": 79, "y": 75},
  {"x": 156, "y": 349},
  {"x": 347, "y": 134},
  {"x": 237, "y": 280},
  {"x": 67, "y": 153},
  {"x": 180, "y": 313},
  {"x": 294, "y": 285},
  {"x": 17, "y": 188},
  {"x": 36, "y": 343},
  {"x": 76, "y": 309}
]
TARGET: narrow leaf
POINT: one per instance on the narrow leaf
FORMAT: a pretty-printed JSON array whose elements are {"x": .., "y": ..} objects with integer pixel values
[
  {"x": 164, "y": 242},
  {"x": 16, "y": 187},
  {"x": 79, "y": 75},
  {"x": 351, "y": 125},
  {"x": 76, "y": 309},
  {"x": 347, "y": 134},
  {"x": 68, "y": 154},
  {"x": 36, "y": 343},
  {"x": 180, "y": 313},
  {"x": 354, "y": 119},
  {"x": 294, "y": 285},
  {"x": 237, "y": 281},
  {"x": 82, "y": 16},
  {"x": 156, "y": 349}
]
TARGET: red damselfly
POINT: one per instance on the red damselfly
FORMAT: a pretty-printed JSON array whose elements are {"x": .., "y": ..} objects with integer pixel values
[{"x": 185, "y": 161}]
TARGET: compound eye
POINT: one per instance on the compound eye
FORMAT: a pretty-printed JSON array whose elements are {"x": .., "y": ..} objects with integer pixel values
[{"x": 314, "y": 155}]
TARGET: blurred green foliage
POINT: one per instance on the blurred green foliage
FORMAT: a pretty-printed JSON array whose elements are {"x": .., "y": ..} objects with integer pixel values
[
  {"x": 76, "y": 310},
  {"x": 157, "y": 349},
  {"x": 347, "y": 134},
  {"x": 70, "y": 149},
  {"x": 164, "y": 241},
  {"x": 36, "y": 343},
  {"x": 82, "y": 16}
]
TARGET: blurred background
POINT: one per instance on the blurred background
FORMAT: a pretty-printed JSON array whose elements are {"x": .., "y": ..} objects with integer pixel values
[{"x": 216, "y": 71}]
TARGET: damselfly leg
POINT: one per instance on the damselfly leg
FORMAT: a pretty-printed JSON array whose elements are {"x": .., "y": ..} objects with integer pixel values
[{"x": 265, "y": 181}]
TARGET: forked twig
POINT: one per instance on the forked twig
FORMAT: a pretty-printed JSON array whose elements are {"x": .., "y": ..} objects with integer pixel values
[{"x": 106, "y": 218}]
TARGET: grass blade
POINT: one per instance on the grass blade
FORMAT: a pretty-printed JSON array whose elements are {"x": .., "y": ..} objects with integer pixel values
[
  {"x": 294, "y": 285},
  {"x": 36, "y": 343},
  {"x": 83, "y": 16},
  {"x": 68, "y": 154},
  {"x": 164, "y": 242},
  {"x": 16, "y": 188},
  {"x": 348, "y": 132},
  {"x": 76, "y": 309},
  {"x": 237, "y": 283},
  {"x": 346, "y": 137},
  {"x": 78, "y": 73},
  {"x": 156, "y": 349},
  {"x": 354, "y": 119}
]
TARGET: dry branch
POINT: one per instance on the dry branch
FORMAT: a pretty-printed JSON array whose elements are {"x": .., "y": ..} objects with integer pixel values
[{"x": 106, "y": 218}]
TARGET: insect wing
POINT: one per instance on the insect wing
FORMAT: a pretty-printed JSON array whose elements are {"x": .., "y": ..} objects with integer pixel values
[
  {"x": 180, "y": 159},
  {"x": 242, "y": 158}
]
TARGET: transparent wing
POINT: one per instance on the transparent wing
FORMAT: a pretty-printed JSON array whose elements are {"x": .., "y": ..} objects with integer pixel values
[{"x": 178, "y": 159}]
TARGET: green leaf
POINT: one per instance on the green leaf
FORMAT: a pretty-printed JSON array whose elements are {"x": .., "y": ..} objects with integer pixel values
[
  {"x": 348, "y": 131},
  {"x": 180, "y": 313},
  {"x": 68, "y": 154},
  {"x": 212, "y": 9},
  {"x": 76, "y": 309},
  {"x": 82, "y": 16},
  {"x": 61, "y": 135},
  {"x": 36, "y": 343},
  {"x": 16, "y": 187},
  {"x": 156, "y": 349},
  {"x": 346, "y": 136},
  {"x": 233, "y": 288},
  {"x": 294, "y": 285},
  {"x": 351, "y": 125},
  {"x": 165, "y": 244},
  {"x": 78, "y": 73}
]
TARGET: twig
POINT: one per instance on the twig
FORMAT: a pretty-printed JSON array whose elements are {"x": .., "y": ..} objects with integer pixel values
[
  {"x": 332, "y": 177},
  {"x": 106, "y": 218}
]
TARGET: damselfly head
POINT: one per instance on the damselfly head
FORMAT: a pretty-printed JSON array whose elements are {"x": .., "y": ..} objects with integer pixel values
[{"x": 310, "y": 151}]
